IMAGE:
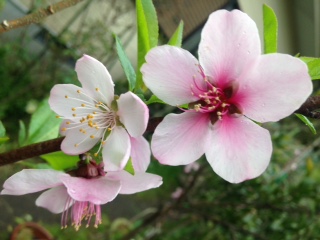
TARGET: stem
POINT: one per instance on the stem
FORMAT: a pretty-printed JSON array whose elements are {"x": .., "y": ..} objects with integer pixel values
[
  {"x": 310, "y": 107},
  {"x": 49, "y": 146},
  {"x": 37, "y": 16}
]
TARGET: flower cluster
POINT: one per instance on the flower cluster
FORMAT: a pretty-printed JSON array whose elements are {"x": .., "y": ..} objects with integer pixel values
[{"x": 230, "y": 89}]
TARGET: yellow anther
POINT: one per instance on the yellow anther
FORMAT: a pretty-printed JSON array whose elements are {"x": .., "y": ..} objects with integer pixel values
[
  {"x": 97, "y": 127},
  {"x": 73, "y": 109},
  {"x": 76, "y": 145},
  {"x": 97, "y": 89},
  {"x": 63, "y": 129},
  {"x": 91, "y": 136},
  {"x": 109, "y": 129},
  {"x": 83, "y": 105},
  {"x": 97, "y": 105},
  {"x": 78, "y": 91},
  {"x": 58, "y": 116},
  {"x": 66, "y": 96},
  {"x": 74, "y": 115},
  {"x": 67, "y": 122},
  {"x": 94, "y": 112}
]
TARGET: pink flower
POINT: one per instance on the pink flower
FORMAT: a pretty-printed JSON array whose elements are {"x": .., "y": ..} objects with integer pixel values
[
  {"x": 231, "y": 84},
  {"x": 84, "y": 196},
  {"x": 94, "y": 114}
]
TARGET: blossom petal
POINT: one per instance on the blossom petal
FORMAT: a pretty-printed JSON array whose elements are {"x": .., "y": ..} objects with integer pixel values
[
  {"x": 31, "y": 180},
  {"x": 181, "y": 138},
  {"x": 96, "y": 190},
  {"x": 95, "y": 79},
  {"x": 133, "y": 113},
  {"x": 116, "y": 150},
  {"x": 140, "y": 153},
  {"x": 229, "y": 43},
  {"x": 170, "y": 72},
  {"x": 240, "y": 149},
  {"x": 138, "y": 182},
  {"x": 66, "y": 101},
  {"x": 77, "y": 142},
  {"x": 55, "y": 199},
  {"x": 275, "y": 87}
]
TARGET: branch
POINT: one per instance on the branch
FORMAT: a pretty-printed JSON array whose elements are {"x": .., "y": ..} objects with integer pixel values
[
  {"x": 310, "y": 107},
  {"x": 37, "y": 16},
  {"x": 49, "y": 146}
]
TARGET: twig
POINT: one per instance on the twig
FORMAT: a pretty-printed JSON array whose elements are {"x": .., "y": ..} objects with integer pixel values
[
  {"x": 37, "y": 16},
  {"x": 49, "y": 146},
  {"x": 309, "y": 108}
]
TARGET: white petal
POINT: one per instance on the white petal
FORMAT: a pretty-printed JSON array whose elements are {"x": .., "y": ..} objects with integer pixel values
[
  {"x": 31, "y": 180},
  {"x": 140, "y": 153},
  {"x": 240, "y": 149},
  {"x": 116, "y": 150},
  {"x": 95, "y": 79},
  {"x": 133, "y": 113},
  {"x": 54, "y": 199},
  {"x": 135, "y": 183}
]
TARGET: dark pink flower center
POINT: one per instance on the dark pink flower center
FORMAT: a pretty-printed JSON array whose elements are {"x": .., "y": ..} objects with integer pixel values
[{"x": 213, "y": 100}]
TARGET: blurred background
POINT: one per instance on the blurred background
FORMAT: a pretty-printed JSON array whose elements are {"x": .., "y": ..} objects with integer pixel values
[{"x": 193, "y": 203}]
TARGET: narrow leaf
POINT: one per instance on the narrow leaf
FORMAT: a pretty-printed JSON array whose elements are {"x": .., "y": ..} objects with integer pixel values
[
  {"x": 176, "y": 38},
  {"x": 126, "y": 64},
  {"x": 154, "y": 99},
  {"x": 61, "y": 161},
  {"x": 3, "y": 137},
  {"x": 22, "y": 133},
  {"x": 129, "y": 167},
  {"x": 313, "y": 67},
  {"x": 307, "y": 122},
  {"x": 270, "y": 30},
  {"x": 148, "y": 32},
  {"x": 44, "y": 125}
]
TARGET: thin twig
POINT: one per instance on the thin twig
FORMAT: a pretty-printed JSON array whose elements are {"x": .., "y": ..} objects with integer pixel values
[
  {"x": 37, "y": 16},
  {"x": 310, "y": 107}
]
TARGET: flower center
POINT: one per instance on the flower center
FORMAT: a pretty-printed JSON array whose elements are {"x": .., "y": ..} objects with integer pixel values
[
  {"x": 212, "y": 100},
  {"x": 81, "y": 211},
  {"x": 93, "y": 118}
]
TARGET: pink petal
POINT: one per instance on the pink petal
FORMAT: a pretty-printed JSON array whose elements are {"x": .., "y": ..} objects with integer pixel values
[
  {"x": 96, "y": 190},
  {"x": 229, "y": 43},
  {"x": 77, "y": 142},
  {"x": 140, "y": 153},
  {"x": 133, "y": 113},
  {"x": 55, "y": 199},
  {"x": 31, "y": 180},
  {"x": 135, "y": 183},
  {"x": 116, "y": 150},
  {"x": 275, "y": 87},
  {"x": 64, "y": 97},
  {"x": 181, "y": 138},
  {"x": 239, "y": 149},
  {"x": 93, "y": 75},
  {"x": 170, "y": 72}
]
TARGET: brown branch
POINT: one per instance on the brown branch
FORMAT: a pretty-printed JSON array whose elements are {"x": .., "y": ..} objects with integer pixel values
[
  {"x": 310, "y": 107},
  {"x": 49, "y": 146},
  {"x": 37, "y": 16}
]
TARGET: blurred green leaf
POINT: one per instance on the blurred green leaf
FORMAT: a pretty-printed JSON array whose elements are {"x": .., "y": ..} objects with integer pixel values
[
  {"x": 270, "y": 30},
  {"x": 154, "y": 99},
  {"x": 307, "y": 122},
  {"x": 176, "y": 38},
  {"x": 313, "y": 66},
  {"x": 129, "y": 167},
  {"x": 148, "y": 32},
  {"x": 22, "y": 133},
  {"x": 126, "y": 64},
  {"x": 3, "y": 137},
  {"x": 44, "y": 125},
  {"x": 61, "y": 161}
]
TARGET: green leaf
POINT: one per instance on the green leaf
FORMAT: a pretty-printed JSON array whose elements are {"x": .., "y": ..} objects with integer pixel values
[
  {"x": 44, "y": 125},
  {"x": 313, "y": 66},
  {"x": 126, "y": 64},
  {"x": 129, "y": 167},
  {"x": 148, "y": 32},
  {"x": 176, "y": 38},
  {"x": 22, "y": 133},
  {"x": 3, "y": 137},
  {"x": 270, "y": 30},
  {"x": 307, "y": 122},
  {"x": 61, "y": 161},
  {"x": 154, "y": 99}
]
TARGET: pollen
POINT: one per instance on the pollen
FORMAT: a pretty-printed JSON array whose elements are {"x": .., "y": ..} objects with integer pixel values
[
  {"x": 91, "y": 136},
  {"x": 76, "y": 145},
  {"x": 97, "y": 89},
  {"x": 73, "y": 109},
  {"x": 63, "y": 129},
  {"x": 58, "y": 116},
  {"x": 74, "y": 115},
  {"x": 78, "y": 91},
  {"x": 66, "y": 96}
]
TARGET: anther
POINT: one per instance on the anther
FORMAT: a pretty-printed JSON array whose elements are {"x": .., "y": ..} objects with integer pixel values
[
  {"x": 63, "y": 129},
  {"x": 76, "y": 145},
  {"x": 97, "y": 89},
  {"x": 58, "y": 116},
  {"x": 66, "y": 96},
  {"x": 78, "y": 91},
  {"x": 73, "y": 109},
  {"x": 91, "y": 136},
  {"x": 74, "y": 115}
]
